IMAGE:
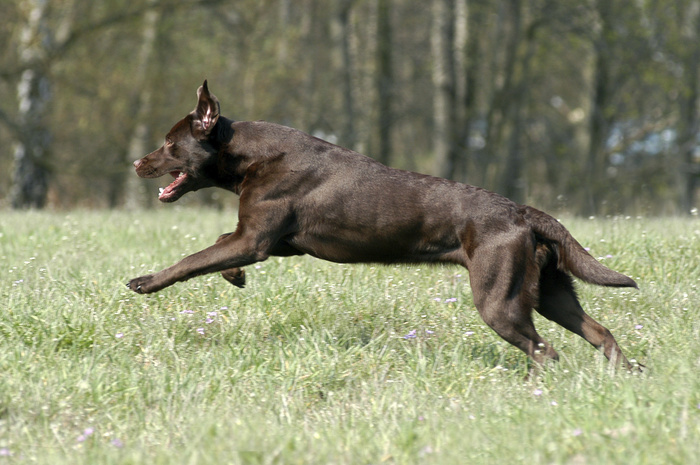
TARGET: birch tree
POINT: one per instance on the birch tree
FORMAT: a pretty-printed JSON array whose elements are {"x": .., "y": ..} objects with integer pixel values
[{"x": 31, "y": 155}]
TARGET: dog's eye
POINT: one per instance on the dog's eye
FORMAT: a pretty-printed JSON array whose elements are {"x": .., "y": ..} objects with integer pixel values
[{"x": 168, "y": 142}]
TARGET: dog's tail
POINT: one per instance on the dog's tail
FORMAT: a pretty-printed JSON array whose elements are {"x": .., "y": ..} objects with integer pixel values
[{"x": 571, "y": 256}]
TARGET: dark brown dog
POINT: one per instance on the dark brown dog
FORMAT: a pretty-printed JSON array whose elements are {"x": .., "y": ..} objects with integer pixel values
[{"x": 302, "y": 195}]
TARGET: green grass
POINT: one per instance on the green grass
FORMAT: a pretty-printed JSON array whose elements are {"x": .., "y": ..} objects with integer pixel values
[{"x": 308, "y": 364}]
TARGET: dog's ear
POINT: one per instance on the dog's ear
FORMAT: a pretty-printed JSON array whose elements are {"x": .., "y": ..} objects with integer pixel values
[{"x": 206, "y": 114}]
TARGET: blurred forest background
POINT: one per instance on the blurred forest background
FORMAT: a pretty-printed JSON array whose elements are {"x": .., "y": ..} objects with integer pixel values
[{"x": 585, "y": 106}]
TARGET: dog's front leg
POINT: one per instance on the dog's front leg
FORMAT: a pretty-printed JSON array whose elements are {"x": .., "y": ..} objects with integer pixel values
[
  {"x": 235, "y": 276},
  {"x": 229, "y": 254}
]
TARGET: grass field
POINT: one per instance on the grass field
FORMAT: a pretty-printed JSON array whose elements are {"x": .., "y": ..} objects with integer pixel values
[{"x": 323, "y": 363}]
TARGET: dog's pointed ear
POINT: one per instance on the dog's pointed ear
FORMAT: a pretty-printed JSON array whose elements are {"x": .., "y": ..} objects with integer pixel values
[{"x": 206, "y": 114}]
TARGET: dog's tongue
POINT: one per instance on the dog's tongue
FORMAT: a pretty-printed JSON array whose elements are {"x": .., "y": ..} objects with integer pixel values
[{"x": 164, "y": 194}]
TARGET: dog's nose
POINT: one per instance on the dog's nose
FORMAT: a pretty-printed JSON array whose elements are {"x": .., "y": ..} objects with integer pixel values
[{"x": 138, "y": 163}]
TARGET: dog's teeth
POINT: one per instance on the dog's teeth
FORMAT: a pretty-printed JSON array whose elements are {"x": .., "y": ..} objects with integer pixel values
[{"x": 160, "y": 190}]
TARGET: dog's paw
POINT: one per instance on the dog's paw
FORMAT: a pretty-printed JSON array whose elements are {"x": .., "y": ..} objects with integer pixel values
[
  {"x": 143, "y": 284},
  {"x": 235, "y": 276},
  {"x": 635, "y": 367}
]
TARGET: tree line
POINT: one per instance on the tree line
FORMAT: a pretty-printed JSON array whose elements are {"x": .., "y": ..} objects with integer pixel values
[{"x": 590, "y": 107}]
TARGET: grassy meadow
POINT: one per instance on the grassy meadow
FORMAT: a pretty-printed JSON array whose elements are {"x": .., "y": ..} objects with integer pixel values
[{"x": 323, "y": 363}]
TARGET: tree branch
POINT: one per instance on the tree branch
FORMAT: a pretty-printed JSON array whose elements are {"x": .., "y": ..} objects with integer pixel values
[
  {"x": 58, "y": 49},
  {"x": 122, "y": 17}
]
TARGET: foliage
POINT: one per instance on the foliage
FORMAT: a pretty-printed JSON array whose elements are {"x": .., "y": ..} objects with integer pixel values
[
  {"x": 323, "y": 363},
  {"x": 540, "y": 89}
]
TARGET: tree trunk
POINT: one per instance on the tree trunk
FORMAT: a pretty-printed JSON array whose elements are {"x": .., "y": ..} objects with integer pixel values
[
  {"x": 284, "y": 19},
  {"x": 690, "y": 119},
  {"x": 136, "y": 188},
  {"x": 463, "y": 87},
  {"x": 470, "y": 167},
  {"x": 513, "y": 183},
  {"x": 498, "y": 101},
  {"x": 30, "y": 180},
  {"x": 598, "y": 129},
  {"x": 444, "y": 102},
  {"x": 384, "y": 81},
  {"x": 599, "y": 125},
  {"x": 347, "y": 136}
]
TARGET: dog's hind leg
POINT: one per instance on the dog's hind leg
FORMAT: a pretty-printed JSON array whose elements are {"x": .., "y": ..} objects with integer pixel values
[
  {"x": 504, "y": 284},
  {"x": 512, "y": 320},
  {"x": 558, "y": 302},
  {"x": 235, "y": 276}
]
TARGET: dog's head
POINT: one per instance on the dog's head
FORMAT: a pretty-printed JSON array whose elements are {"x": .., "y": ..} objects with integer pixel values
[{"x": 187, "y": 153}]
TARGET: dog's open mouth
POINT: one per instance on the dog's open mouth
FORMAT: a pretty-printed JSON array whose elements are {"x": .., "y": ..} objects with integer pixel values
[{"x": 170, "y": 193}]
